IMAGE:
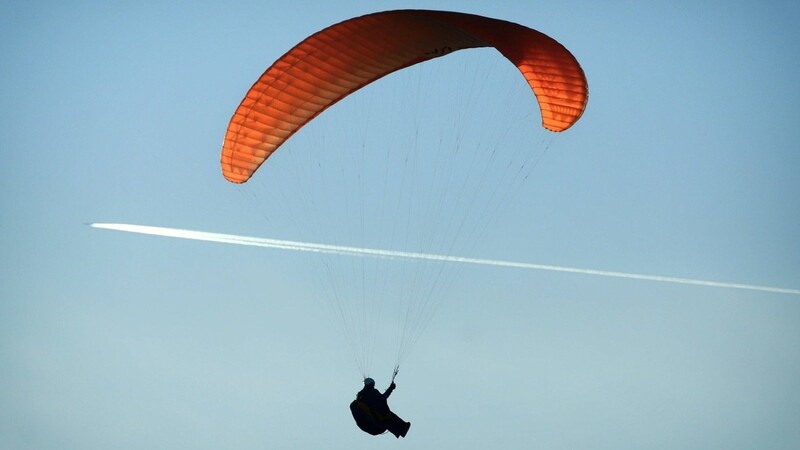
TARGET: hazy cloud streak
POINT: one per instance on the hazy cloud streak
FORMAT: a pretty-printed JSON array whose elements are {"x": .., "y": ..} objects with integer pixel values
[{"x": 357, "y": 251}]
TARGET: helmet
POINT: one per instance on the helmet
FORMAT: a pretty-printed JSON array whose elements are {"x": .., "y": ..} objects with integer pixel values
[{"x": 369, "y": 382}]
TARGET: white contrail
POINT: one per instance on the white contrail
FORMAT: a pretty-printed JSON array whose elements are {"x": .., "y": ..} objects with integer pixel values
[{"x": 357, "y": 251}]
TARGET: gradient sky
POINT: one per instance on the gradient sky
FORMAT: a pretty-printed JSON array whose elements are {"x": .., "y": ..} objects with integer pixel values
[{"x": 684, "y": 165}]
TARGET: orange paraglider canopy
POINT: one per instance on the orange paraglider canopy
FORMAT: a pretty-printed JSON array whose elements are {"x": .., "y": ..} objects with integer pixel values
[{"x": 329, "y": 65}]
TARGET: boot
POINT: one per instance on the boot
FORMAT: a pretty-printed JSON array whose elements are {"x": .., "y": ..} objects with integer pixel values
[{"x": 405, "y": 429}]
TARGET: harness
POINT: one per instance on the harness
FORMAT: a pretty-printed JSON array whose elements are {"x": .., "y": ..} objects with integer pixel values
[{"x": 365, "y": 418}]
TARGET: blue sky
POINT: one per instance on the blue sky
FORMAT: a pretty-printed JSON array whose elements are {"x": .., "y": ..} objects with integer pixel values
[{"x": 683, "y": 165}]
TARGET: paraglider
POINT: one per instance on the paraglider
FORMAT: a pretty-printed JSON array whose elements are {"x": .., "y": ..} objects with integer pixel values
[
  {"x": 343, "y": 58},
  {"x": 372, "y": 413},
  {"x": 333, "y": 63}
]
